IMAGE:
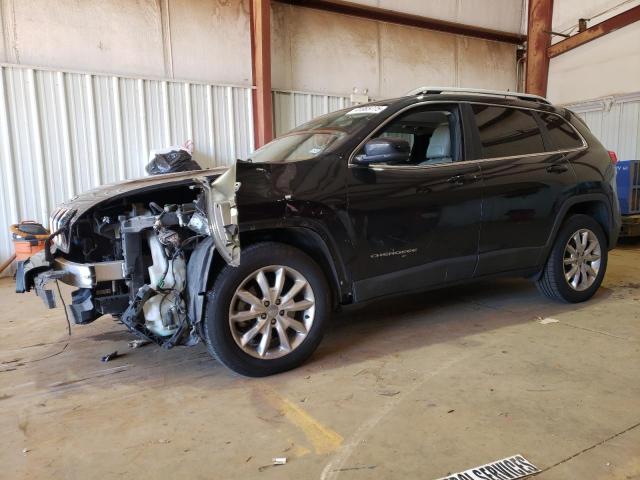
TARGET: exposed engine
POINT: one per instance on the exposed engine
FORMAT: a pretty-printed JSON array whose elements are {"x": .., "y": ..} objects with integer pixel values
[
  {"x": 130, "y": 258},
  {"x": 165, "y": 311},
  {"x": 156, "y": 243}
]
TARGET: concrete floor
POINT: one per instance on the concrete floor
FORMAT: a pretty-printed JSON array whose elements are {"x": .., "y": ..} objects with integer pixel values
[{"x": 417, "y": 387}]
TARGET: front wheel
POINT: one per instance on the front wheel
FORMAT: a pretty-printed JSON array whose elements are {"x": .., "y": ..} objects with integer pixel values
[
  {"x": 577, "y": 263},
  {"x": 268, "y": 315}
]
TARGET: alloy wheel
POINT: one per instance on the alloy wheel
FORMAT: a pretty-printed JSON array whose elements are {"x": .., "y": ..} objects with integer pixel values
[
  {"x": 271, "y": 312},
  {"x": 582, "y": 257}
]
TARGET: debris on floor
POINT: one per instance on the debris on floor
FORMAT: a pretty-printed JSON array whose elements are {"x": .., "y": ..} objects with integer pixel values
[
  {"x": 111, "y": 356},
  {"x": 138, "y": 343},
  {"x": 546, "y": 321},
  {"x": 346, "y": 469},
  {"x": 389, "y": 393},
  {"x": 275, "y": 461}
]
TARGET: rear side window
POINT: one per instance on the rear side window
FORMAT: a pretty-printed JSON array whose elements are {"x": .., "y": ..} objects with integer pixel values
[
  {"x": 507, "y": 132},
  {"x": 563, "y": 135}
]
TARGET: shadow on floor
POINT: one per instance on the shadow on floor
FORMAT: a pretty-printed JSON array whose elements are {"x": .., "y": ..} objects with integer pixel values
[
  {"x": 356, "y": 334},
  {"x": 447, "y": 315}
]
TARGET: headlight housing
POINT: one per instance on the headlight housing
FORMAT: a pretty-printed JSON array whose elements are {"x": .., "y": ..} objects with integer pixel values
[{"x": 60, "y": 219}]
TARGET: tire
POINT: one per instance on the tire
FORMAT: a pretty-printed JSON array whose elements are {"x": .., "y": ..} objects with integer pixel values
[
  {"x": 553, "y": 282},
  {"x": 266, "y": 353}
]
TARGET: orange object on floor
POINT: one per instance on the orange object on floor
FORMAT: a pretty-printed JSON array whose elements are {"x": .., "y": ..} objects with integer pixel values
[{"x": 28, "y": 238}]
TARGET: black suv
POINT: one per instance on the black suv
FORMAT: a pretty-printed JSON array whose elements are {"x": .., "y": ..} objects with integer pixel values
[{"x": 433, "y": 189}]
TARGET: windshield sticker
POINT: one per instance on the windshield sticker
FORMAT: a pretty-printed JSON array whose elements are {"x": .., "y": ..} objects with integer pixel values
[
  {"x": 512, "y": 467},
  {"x": 367, "y": 109}
]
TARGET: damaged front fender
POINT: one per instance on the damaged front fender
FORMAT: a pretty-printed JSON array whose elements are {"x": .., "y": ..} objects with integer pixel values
[{"x": 222, "y": 214}]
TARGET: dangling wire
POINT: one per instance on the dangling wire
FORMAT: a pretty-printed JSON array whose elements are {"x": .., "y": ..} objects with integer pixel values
[
  {"x": 66, "y": 314},
  {"x": 64, "y": 305}
]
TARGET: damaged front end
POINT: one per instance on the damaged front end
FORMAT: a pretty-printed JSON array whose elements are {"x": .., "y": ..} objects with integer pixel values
[{"x": 143, "y": 257}]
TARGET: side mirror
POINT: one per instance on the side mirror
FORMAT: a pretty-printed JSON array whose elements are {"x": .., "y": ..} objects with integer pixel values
[{"x": 380, "y": 150}]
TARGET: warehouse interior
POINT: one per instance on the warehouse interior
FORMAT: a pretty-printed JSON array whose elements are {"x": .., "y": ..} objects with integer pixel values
[{"x": 420, "y": 385}]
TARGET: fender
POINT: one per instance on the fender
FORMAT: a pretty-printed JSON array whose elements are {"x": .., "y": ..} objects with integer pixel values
[
  {"x": 562, "y": 213},
  {"x": 293, "y": 229},
  {"x": 200, "y": 271}
]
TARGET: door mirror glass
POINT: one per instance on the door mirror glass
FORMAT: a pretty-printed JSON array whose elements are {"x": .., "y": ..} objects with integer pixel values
[{"x": 385, "y": 150}]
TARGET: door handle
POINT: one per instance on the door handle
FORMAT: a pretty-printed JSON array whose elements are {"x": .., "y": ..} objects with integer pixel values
[
  {"x": 557, "y": 168},
  {"x": 462, "y": 179}
]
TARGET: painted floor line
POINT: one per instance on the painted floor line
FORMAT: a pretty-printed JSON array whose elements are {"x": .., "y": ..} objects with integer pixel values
[
  {"x": 336, "y": 464},
  {"x": 324, "y": 439}
]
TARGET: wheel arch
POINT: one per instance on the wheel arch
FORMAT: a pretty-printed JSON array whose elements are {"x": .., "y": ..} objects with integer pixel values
[
  {"x": 315, "y": 246},
  {"x": 595, "y": 205},
  {"x": 206, "y": 263}
]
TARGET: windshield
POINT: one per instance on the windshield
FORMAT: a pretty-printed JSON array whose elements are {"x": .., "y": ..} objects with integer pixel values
[{"x": 315, "y": 137}]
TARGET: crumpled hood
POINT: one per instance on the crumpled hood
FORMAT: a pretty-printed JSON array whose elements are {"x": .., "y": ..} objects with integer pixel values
[{"x": 87, "y": 200}]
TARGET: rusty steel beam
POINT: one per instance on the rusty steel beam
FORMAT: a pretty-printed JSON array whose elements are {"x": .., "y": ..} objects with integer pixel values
[
  {"x": 539, "y": 39},
  {"x": 400, "y": 18},
  {"x": 610, "y": 25},
  {"x": 261, "y": 71}
]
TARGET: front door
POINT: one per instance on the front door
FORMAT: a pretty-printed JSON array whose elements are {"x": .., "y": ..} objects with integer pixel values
[{"x": 415, "y": 221}]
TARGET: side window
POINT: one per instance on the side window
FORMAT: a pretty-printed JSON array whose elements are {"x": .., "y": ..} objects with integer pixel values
[
  {"x": 562, "y": 134},
  {"x": 432, "y": 133},
  {"x": 507, "y": 132}
]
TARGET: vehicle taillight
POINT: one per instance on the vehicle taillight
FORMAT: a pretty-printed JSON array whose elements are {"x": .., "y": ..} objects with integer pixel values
[{"x": 613, "y": 157}]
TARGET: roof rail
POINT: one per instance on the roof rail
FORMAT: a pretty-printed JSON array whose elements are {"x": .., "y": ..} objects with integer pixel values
[{"x": 477, "y": 91}]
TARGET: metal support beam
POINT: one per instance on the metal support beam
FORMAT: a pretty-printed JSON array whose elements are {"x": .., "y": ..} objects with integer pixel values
[
  {"x": 610, "y": 25},
  {"x": 261, "y": 70},
  {"x": 539, "y": 40},
  {"x": 400, "y": 18}
]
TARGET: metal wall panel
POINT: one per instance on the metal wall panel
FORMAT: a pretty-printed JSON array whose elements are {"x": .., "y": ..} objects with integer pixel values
[
  {"x": 615, "y": 121},
  {"x": 62, "y": 133},
  {"x": 291, "y": 109}
]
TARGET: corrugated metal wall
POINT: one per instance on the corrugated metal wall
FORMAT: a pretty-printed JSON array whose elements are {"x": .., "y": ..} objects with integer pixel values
[
  {"x": 291, "y": 109},
  {"x": 62, "y": 133},
  {"x": 615, "y": 121}
]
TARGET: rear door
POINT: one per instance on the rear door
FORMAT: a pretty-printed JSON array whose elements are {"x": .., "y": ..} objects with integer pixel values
[
  {"x": 525, "y": 180},
  {"x": 416, "y": 223}
]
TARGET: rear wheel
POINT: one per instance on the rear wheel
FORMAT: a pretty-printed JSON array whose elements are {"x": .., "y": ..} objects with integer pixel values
[
  {"x": 577, "y": 263},
  {"x": 267, "y": 315}
]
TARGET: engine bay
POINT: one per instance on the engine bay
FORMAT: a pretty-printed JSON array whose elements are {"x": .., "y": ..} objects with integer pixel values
[{"x": 129, "y": 258}]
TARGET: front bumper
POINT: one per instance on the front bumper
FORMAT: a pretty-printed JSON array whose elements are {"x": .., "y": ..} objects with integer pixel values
[{"x": 36, "y": 273}]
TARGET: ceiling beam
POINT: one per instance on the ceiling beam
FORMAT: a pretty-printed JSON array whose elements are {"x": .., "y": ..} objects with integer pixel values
[
  {"x": 261, "y": 71},
  {"x": 540, "y": 15},
  {"x": 400, "y": 18},
  {"x": 599, "y": 30}
]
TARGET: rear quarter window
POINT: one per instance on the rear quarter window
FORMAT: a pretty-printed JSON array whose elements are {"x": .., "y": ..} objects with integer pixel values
[
  {"x": 507, "y": 132},
  {"x": 563, "y": 136}
]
